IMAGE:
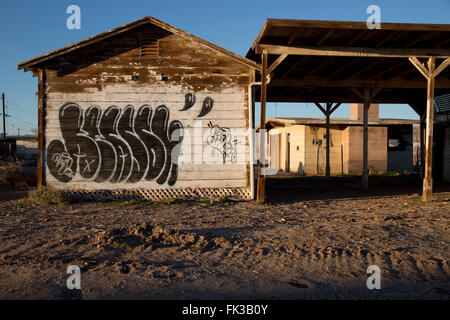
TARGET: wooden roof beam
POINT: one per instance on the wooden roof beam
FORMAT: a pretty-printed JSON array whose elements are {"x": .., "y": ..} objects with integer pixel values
[
  {"x": 421, "y": 38},
  {"x": 325, "y": 37},
  {"x": 393, "y": 83},
  {"x": 386, "y": 39},
  {"x": 319, "y": 66},
  {"x": 342, "y": 68},
  {"x": 370, "y": 66},
  {"x": 299, "y": 62},
  {"x": 354, "y": 51},
  {"x": 276, "y": 63},
  {"x": 359, "y": 36}
]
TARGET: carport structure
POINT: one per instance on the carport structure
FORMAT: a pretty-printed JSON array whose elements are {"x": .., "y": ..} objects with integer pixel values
[{"x": 336, "y": 62}]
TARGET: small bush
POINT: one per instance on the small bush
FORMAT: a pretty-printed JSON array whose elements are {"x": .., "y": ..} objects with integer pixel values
[
  {"x": 46, "y": 196},
  {"x": 169, "y": 201},
  {"x": 10, "y": 172},
  {"x": 140, "y": 203}
]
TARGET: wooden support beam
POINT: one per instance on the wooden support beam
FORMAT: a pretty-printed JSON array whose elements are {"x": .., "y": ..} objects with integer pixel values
[
  {"x": 359, "y": 36},
  {"x": 321, "y": 108},
  {"x": 276, "y": 63},
  {"x": 327, "y": 145},
  {"x": 395, "y": 83},
  {"x": 419, "y": 66},
  {"x": 359, "y": 94},
  {"x": 429, "y": 72},
  {"x": 333, "y": 109},
  {"x": 261, "y": 179},
  {"x": 327, "y": 111},
  {"x": 424, "y": 36},
  {"x": 428, "y": 179},
  {"x": 393, "y": 67},
  {"x": 368, "y": 67},
  {"x": 325, "y": 37},
  {"x": 387, "y": 38},
  {"x": 318, "y": 67},
  {"x": 442, "y": 67},
  {"x": 365, "y": 173},
  {"x": 345, "y": 66},
  {"x": 354, "y": 51},
  {"x": 443, "y": 43},
  {"x": 299, "y": 62},
  {"x": 369, "y": 95},
  {"x": 42, "y": 84}
]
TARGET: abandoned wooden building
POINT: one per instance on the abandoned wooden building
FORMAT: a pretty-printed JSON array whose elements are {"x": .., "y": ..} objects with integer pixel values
[{"x": 134, "y": 112}]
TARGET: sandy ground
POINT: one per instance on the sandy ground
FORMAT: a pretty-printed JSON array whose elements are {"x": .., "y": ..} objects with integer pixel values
[{"x": 315, "y": 243}]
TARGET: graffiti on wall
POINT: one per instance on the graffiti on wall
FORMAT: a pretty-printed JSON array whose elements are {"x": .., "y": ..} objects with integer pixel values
[
  {"x": 189, "y": 101},
  {"x": 115, "y": 145},
  {"x": 125, "y": 145},
  {"x": 220, "y": 139}
]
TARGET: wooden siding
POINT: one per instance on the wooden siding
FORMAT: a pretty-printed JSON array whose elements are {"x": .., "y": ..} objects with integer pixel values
[{"x": 96, "y": 94}]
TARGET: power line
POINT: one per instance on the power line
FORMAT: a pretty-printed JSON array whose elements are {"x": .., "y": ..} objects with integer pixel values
[
  {"x": 15, "y": 106},
  {"x": 29, "y": 123}
]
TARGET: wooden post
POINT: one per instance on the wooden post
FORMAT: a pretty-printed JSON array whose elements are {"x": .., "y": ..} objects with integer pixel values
[
  {"x": 430, "y": 74},
  {"x": 4, "y": 116},
  {"x": 327, "y": 165},
  {"x": 365, "y": 172},
  {"x": 261, "y": 178},
  {"x": 329, "y": 109},
  {"x": 428, "y": 179},
  {"x": 41, "y": 106}
]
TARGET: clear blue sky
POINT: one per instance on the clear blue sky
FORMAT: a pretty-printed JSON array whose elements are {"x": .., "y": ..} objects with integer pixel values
[{"x": 30, "y": 28}]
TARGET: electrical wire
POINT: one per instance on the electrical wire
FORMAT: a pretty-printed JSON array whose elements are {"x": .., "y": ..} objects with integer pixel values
[{"x": 26, "y": 122}]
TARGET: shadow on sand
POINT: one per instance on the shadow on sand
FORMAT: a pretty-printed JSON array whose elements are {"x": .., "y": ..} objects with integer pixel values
[{"x": 294, "y": 189}]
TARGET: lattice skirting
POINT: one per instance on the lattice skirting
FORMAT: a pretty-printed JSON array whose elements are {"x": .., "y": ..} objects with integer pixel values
[{"x": 160, "y": 194}]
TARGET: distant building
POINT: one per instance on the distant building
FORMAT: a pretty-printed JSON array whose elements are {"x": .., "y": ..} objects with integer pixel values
[
  {"x": 298, "y": 145},
  {"x": 441, "y": 152}
]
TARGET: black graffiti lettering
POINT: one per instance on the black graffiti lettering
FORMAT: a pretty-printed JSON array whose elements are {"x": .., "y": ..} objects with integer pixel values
[
  {"x": 59, "y": 163},
  {"x": 71, "y": 122},
  {"x": 108, "y": 129},
  {"x": 108, "y": 155},
  {"x": 139, "y": 155},
  {"x": 206, "y": 107},
  {"x": 176, "y": 138},
  {"x": 189, "y": 101},
  {"x": 155, "y": 147},
  {"x": 116, "y": 146}
]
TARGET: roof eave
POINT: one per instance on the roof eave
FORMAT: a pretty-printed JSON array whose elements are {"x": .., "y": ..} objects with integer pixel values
[{"x": 32, "y": 63}]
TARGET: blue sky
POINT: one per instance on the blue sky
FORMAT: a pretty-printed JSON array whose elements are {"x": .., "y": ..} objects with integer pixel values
[{"x": 31, "y": 28}]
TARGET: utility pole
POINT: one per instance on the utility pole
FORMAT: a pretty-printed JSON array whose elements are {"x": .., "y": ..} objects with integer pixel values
[{"x": 4, "y": 116}]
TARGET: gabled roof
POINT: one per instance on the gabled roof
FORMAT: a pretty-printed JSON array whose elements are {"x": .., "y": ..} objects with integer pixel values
[{"x": 29, "y": 64}]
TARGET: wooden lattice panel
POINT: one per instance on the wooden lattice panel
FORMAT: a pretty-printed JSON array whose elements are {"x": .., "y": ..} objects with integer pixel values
[{"x": 159, "y": 194}]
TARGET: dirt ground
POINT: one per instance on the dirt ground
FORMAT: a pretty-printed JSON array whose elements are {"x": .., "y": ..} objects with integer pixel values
[{"x": 309, "y": 241}]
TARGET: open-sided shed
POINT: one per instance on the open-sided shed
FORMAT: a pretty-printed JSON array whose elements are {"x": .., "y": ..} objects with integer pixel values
[
  {"x": 145, "y": 110},
  {"x": 346, "y": 62}
]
